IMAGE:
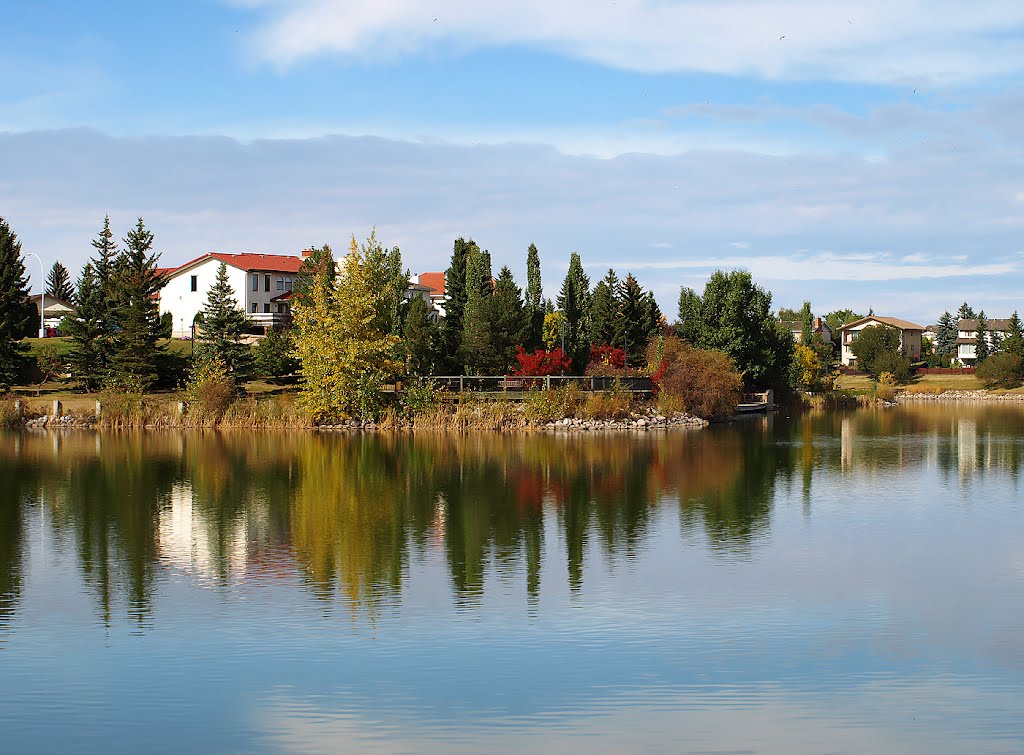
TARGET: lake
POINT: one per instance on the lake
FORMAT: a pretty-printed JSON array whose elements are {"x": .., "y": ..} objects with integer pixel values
[{"x": 833, "y": 582}]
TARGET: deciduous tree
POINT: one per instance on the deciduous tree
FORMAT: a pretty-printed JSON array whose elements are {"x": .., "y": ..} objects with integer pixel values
[{"x": 534, "y": 306}]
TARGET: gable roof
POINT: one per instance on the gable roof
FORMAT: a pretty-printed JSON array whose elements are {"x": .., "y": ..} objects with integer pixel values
[
  {"x": 972, "y": 325},
  {"x": 434, "y": 281},
  {"x": 247, "y": 261},
  {"x": 893, "y": 321}
]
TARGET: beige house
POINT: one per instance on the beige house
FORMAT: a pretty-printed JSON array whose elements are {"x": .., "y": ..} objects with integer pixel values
[
  {"x": 910, "y": 336},
  {"x": 56, "y": 311},
  {"x": 819, "y": 326}
]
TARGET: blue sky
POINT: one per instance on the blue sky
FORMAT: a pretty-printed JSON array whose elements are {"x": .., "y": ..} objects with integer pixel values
[{"x": 854, "y": 156}]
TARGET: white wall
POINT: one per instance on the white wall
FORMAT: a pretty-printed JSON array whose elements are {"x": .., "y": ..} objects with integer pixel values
[{"x": 178, "y": 298}]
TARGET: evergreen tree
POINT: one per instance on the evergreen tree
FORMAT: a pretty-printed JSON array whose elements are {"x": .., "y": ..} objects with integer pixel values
[
  {"x": 604, "y": 311},
  {"x": 1014, "y": 341},
  {"x": 477, "y": 349},
  {"x": 654, "y": 315},
  {"x": 58, "y": 283},
  {"x": 135, "y": 313},
  {"x": 455, "y": 305},
  {"x": 87, "y": 328},
  {"x": 17, "y": 312},
  {"x": 574, "y": 302},
  {"x": 420, "y": 336},
  {"x": 634, "y": 325},
  {"x": 534, "y": 304},
  {"x": 508, "y": 321},
  {"x": 319, "y": 266},
  {"x": 384, "y": 273},
  {"x": 965, "y": 312},
  {"x": 223, "y": 326},
  {"x": 945, "y": 338},
  {"x": 981, "y": 342}
]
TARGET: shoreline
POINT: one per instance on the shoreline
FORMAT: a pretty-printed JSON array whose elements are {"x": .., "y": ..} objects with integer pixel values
[{"x": 955, "y": 395}]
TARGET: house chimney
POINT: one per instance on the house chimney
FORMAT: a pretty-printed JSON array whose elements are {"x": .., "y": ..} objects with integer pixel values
[
  {"x": 817, "y": 324},
  {"x": 307, "y": 253}
]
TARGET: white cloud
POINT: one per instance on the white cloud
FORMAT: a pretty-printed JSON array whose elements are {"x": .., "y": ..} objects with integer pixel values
[{"x": 871, "y": 41}]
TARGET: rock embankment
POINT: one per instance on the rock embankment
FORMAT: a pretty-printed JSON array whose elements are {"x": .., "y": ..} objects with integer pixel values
[
  {"x": 980, "y": 395},
  {"x": 64, "y": 421},
  {"x": 641, "y": 422}
]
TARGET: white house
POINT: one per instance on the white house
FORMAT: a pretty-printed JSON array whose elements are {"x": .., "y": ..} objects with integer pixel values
[
  {"x": 910, "y": 336},
  {"x": 967, "y": 338},
  {"x": 56, "y": 311},
  {"x": 262, "y": 284},
  {"x": 435, "y": 282}
]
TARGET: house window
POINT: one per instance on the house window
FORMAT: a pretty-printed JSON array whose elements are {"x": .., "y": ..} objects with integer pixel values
[
  {"x": 266, "y": 309},
  {"x": 255, "y": 282},
  {"x": 254, "y": 308},
  {"x": 288, "y": 284},
  {"x": 280, "y": 283},
  {"x": 195, "y": 282},
  {"x": 280, "y": 309},
  {"x": 266, "y": 283}
]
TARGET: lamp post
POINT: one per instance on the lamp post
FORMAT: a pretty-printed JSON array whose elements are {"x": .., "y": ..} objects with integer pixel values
[{"x": 42, "y": 294}]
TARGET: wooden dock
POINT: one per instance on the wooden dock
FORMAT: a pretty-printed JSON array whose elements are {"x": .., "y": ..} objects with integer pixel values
[{"x": 756, "y": 402}]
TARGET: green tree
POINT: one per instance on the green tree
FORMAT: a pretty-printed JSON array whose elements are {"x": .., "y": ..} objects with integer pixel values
[
  {"x": 534, "y": 305},
  {"x": 554, "y": 329},
  {"x": 945, "y": 338},
  {"x": 17, "y": 312},
  {"x": 455, "y": 306},
  {"x": 875, "y": 347},
  {"x": 58, "y": 283},
  {"x": 274, "y": 354},
  {"x": 345, "y": 359},
  {"x": 966, "y": 312},
  {"x": 1002, "y": 370},
  {"x": 420, "y": 337},
  {"x": 837, "y": 319},
  {"x": 574, "y": 302},
  {"x": 135, "y": 313},
  {"x": 478, "y": 352},
  {"x": 604, "y": 310},
  {"x": 384, "y": 273},
  {"x": 636, "y": 322},
  {"x": 224, "y": 323},
  {"x": 806, "y": 323},
  {"x": 508, "y": 321},
  {"x": 88, "y": 331},
  {"x": 1013, "y": 343},
  {"x": 982, "y": 347},
  {"x": 318, "y": 266},
  {"x": 735, "y": 316}
]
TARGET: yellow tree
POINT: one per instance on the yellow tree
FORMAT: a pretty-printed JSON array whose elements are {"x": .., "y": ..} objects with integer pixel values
[{"x": 346, "y": 359}]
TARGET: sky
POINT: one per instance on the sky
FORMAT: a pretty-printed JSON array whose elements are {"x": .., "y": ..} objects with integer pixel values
[{"x": 857, "y": 155}]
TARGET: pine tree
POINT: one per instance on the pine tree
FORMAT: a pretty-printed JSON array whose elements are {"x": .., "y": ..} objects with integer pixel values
[
  {"x": 345, "y": 359},
  {"x": 508, "y": 321},
  {"x": 981, "y": 343},
  {"x": 455, "y": 305},
  {"x": 58, "y": 283},
  {"x": 945, "y": 339},
  {"x": 420, "y": 335},
  {"x": 574, "y": 302},
  {"x": 965, "y": 312},
  {"x": 635, "y": 322},
  {"x": 223, "y": 326},
  {"x": 534, "y": 304},
  {"x": 88, "y": 330},
  {"x": 477, "y": 349},
  {"x": 604, "y": 310},
  {"x": 1014, "y": 341},
  {"x": 135, "y": 313},
  {"x": 17, "y": 313}
]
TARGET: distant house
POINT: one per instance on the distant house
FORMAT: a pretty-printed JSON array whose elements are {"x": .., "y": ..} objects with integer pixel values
[
  {"x": 910, "y": 336},
  {"x": 262, "y": 285},
  {"x": 435, "y": 282},
  {"x": 967, "y": 338},
  {"x": 796, "y": 327},
  {"x": 56, "y": 310}
]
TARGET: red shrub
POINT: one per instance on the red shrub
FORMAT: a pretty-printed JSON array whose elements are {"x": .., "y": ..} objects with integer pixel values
[{"x": 540, "y": 362}]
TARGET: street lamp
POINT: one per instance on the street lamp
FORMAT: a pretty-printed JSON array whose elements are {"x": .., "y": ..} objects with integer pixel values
[{"x": 42, "y": 294}]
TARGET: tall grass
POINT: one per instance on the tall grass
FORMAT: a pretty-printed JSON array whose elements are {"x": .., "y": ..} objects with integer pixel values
[{"x": 9, "y": 416}]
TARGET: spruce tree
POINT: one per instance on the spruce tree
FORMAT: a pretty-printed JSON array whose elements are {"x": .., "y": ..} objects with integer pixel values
[
  {"x": 17, "y": 312},
  {"x": 534, "y": 304},
  {"x": 1014, "y": 341},
  {"x": 945, "y": 338},
  {"x": 966, "y": 312},
  {"x": 419, "y": 338},
  {"x": 58, "y": 283},
  {"x": 477, "y": 348},
  {"x": 135, "y": 313},
  {"x": 455, "y": 305},
  {"x": 981, "y": 342},
  {"x": 88, "y": 330},
  {"x": 223, "y": 326},
  {"x": 635, "y": 323},
  {"x": 574, "y": 302},
  {"x": 604, "y": 310},
  {"x": 508, "y": 321}
]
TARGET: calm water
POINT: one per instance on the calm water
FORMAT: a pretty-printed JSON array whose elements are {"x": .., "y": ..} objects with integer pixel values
[{"x": 845, "y": 582}]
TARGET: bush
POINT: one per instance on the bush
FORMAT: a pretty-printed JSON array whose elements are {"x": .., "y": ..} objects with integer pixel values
[
  {"x": 706, "y": 382},
  {"x": 210, "y": 391},
  {"x": 122, "y": 404},
  {"x": 540, "y": 363},
  {"x": 275, "y": 355},
  {"x": 421, "y": 397},
  {"x": 893, "y": 363},
  {"x": 8, "y": 416},
  {"x": 1002, "y": 370}
]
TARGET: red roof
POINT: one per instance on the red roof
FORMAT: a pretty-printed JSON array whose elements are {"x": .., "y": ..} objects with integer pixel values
[
  {"x": 283, "y": 297},
  {"x": 271, "y": 263},
  {"x": 161, "y": 271},
  {"x": 434, "y": 281}
]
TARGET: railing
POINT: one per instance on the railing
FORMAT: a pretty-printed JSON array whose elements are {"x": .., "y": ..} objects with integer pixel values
[
  {"x": 270, "y": 319},
  {"x": 518, "y": 383}
]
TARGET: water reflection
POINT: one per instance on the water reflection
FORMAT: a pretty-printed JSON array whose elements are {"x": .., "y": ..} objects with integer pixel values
[{"x": 350, "y": 514}]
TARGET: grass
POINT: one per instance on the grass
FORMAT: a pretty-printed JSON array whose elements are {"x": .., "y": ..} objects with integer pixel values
[{"x": 922, "y": 384}]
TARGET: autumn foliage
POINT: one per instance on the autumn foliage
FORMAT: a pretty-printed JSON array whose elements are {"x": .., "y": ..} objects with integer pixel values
[
  {"x": 706, "y": 382},
  {"x": 541, "y": 362}
]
